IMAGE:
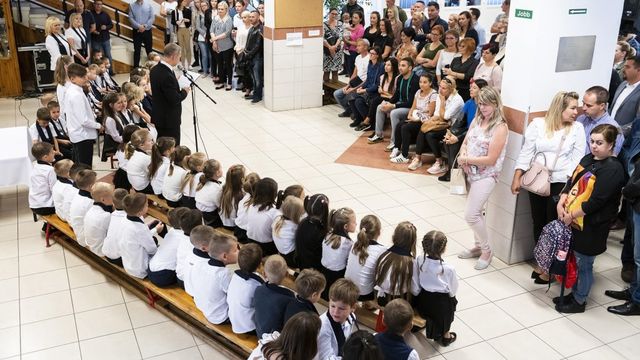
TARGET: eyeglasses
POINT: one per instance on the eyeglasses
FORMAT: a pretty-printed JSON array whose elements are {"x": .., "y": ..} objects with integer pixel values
[
  {"x": 450, "y": 38},
  {"x": 447, "y": 80},
  {"x": 334, "y": 13},
  {"x": 373, "y": 53}
]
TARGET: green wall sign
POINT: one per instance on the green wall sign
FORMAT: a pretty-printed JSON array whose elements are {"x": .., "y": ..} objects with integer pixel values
[{"x": 525, "y": 14}]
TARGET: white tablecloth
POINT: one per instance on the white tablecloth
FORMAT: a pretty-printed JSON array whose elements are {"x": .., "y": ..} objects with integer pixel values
[{"x": 15, "y": 159}]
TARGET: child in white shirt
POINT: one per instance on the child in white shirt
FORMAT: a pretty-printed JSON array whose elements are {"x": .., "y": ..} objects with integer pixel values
[
  {"x": 188, "y": 221},
  {"x": 111, "y": 244},
  {"x": 231, "y": 195},
  {"x": 284, "y": 228},
  {"x": 43, "y": 178},
  {"x": 137, "y": 153},
  {"x": 96, "y": 221},
  {"x": 160, "y": 161},
  {"x": 211, "y": 279},
  {"x": 162, "y": 266},
  {"x": 242, "y": 289},
  {"x": 343, "y": 296},
  {"x": 63, "y": 184},
  {"x": 248, "y": 186},
  {"x": 200, "y": 237},
  {"x": 337, "y": 245},
  {"x": 171, "y": 186},
  {"x": 137, "y": 244},
  {"x": 81, "y": 203},
  {"x": 194, "y": 165},
  {"x": 208, "y": 193},
  {"x": 261, "y": 214}
]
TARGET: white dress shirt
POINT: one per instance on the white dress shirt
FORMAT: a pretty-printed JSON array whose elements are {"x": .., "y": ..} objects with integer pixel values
[
  {"x": 285, "y": 240},
  {"x": 35, "y": 135},
  {"x": 242, "y": 212},
  {"x": 364, "y": 275},
  {"x": 259, "y": 223},
  {"x": 453, "y": 107},
  {"x": 136, "y": 247},
  {"x": 96, "y": 225},
  {"x": 81, "y": 121},
  {"x": 58, "y": 191},
  {"x": 362, "y": 65},
  {"x": 208, "y": 198},
  {"x": 80, "y": 204},
  {"x": 182, "y": 253},
  {"x": 327, "y": 342},
  {"x": 158, "y": 179},
  {"x": 190, "y": 189},
  {"x": 41, "y": 183},
  {"x": 195, "y": 257},
  {"x": 336, "y": 259},
  {"x": 166, "y": 256},
  {"x": 621, "y": 98},
  {"x": 111, "y": 129},
  {"x": 122, "y": 160},
  {"x": 111, "y": 245},
  {"x": 211, "y": 282},
  {"x": 436, "y": 276},
  {"x": 54, "y": 49},
  {"x": 138, "y": 170},
  {"x": 385, "y": 287},
  {"x": 171, "y": 185},
  {"x": 239, "y": 298},
  {"x": 61, "y": 91},
  {"x": 231, "y": 219},
  {"x": 536, "y": 141},
  {"x": 69, "y": 194}
]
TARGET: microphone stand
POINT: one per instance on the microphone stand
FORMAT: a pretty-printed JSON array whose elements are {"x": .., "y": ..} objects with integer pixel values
[{"x": 195, "y": 86}]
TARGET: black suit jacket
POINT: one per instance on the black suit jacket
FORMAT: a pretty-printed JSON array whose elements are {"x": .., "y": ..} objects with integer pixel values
[{"x": 167, "y": 97}]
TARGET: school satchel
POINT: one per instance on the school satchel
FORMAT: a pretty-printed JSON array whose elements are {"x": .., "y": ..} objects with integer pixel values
[
  {"x": 554, "y": 241},
  {"x": 537, "y": 179},
  {"x": 457, "y": 182},
  {"x": 433, "y": 124}
]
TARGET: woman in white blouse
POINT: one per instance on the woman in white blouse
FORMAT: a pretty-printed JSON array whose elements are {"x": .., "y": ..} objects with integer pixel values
[
  {"x": 488, "y": 69},
  {"x": 77, "y": 38},
  {"x": 446, "y": 55},
  {"x": 556, "y": 133},
  {"x": 55, "y": 41},
  {"x": 241, "y": 40}
]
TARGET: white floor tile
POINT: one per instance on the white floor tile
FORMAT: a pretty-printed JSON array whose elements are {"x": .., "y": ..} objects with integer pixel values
[
  {"x": 627, "y": 347},
  {"x": 9, "y": 289},
  {"x": 43, "y": 283},
  {"x": 565, "y": 337},
  {"x": 603, "y": 352},
  {"x": 495, "y": 285},
  {"x": 163, "y": 338},
  {"x": 84, "y": 275},
  {"x": 36, "y": 245},
  {"x": 528, "y": 310},
  {"x": 116, "y": 346},
  {"x": 103, "y": 321},
  {"x": 8, "y": 249},
  {"x": 480, "y": 351},
  {"x": 489, "y": 321},
  {"x": 603, "y": 325},
  {"x": 44, "y": 307},
  {"x": 38, "y": 263},
  {"x": 523, "y": 345},
  {"x": 96, "y": 296},
  {"x": 186, "y": 354},
  {"x": 8, "y": 268},
  {"x": 9, "y": 342},
  {"x": 64, "y": 352},
  {"x": 469, "y": 297},
  {"x": 9, "y": 314},
  {"x": 48, "y": 333},
  {"x": 142, "y": 314}
]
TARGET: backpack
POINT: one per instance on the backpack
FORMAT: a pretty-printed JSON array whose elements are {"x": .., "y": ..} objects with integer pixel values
[{"x": 554, "y": 240}]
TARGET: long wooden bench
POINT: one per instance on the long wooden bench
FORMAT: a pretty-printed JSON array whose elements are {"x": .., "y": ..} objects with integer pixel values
[{"x": 328, "y": 88}]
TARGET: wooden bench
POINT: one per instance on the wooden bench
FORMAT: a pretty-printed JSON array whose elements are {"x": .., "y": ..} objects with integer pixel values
[{"x": 328, "y": 88}]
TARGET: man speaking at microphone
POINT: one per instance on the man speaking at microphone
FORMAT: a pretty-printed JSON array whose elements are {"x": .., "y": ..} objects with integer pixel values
[{"x": 166, "y": 94}]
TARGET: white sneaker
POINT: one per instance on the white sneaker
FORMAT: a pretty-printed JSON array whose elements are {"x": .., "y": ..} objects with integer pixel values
[
  {"x": 395, "y": 152},
  {"x": 415, "y": 164},
  {"x": 390, "y": 147},
  {"x": 436, "y": 168},
  {"x": 374, "y": 139},
  {"x": 400, "y": 159}
]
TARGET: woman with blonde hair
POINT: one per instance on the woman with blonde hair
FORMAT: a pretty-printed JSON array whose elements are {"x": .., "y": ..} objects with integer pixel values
[
  {"x": 221, "y": 26},
  {"x": 481, "y": 158},
  {"x": 557, "y": 141},
  {"x": 78, "y": 39},
  {"x": 396, "y": 25},
  {"x": 55, "y": 41},
  {"x": 623, "y": 52},
  {"x": 463, "y": 67}
]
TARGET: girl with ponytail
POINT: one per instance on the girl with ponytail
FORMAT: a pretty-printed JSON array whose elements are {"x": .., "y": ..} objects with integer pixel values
[
  {"x": 120, "y": 179},
  {"x": 171, "y": 190},
  {"x": 137, "y": 152},
  {"x": 194, "y": 165},
  {"x": 361, "y": 264},
  {"x": 284, "y": 228},
  {"x": 160, "y": 161},
  {"x": 208, "y": 193},
  {"x": 241, "y": 221},
  {"x": 295, "y": 190},
  {"x": 232, "y": 193},
  {"x": 336, "y": 246},
  {"x": 311, "y": 232},
  {"x": 438, "y": 286}
]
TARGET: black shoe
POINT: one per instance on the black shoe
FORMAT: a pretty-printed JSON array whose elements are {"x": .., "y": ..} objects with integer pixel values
[
  {"x": 344, "y": 114},
  {"x": 626, "y": 309},
  {"x": 534, "y": 274},
  {"x": 571, "y": 308},
  {"x": 627, "y": 272},
  {"x": 254, "y": 101},
  {"x": 542, "y": 281},
  {"x": 446, "y": 177},
  {"x": 624, "y": 295},
  {"x": 248, "y": 97},
  {"x": 567, "y": 298},
  {"x": 354, "y": 124}
]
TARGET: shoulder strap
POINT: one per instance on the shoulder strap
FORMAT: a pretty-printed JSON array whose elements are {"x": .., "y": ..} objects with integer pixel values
[{"x": 564, "y": 137}]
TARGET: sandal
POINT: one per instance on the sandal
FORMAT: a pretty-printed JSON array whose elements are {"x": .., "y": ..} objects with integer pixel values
[{"x": 448, "y": 341}]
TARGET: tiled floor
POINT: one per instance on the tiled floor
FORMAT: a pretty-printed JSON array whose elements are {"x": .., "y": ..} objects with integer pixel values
[{"x": 53, "y": 306}]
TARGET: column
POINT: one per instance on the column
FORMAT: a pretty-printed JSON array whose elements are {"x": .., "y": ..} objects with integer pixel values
[
  {"x": 293, "y": 54},
  {"x": 552, "y": 46}
]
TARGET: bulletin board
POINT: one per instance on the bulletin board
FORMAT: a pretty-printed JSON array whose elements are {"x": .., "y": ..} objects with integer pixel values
[{"x": 298, "y": 13}]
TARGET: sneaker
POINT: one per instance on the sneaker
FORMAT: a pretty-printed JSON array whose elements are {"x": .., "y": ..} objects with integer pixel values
[
  {"x": 354, "y": 124},
  {"x": 437, "y": 168},
  {"x": 344, "y": 114},
  {"x": 572, "y": 307},
  {"x": 375, "y": 139},
  {"x": 390, "y": 147},
  {"x": 400, "y": 159},
  {"x": 415, "y": 164},
  {"x": 469, "y": 254},
  {"x": 395, "y": 152},
  {"x": 363, "y": 127}
]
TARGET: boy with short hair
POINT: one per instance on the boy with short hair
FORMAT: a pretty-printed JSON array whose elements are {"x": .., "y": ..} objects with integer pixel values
[
  {"x": 338, "y": 320},
  {"x": 97, "y": 219},
  {"x": 69, "y": 194},
  {"x": 43, "y": 178},
  {"x": 62, "y": 185},
  {"x": 81, "y": 203},
  {"x": 81, "y": 121},
  {"x": 242, "y": 289},
  {"x": 398, "y": 318},
  {"x": 211, "y": 279},
  {"x": 310, "y": 284},
  {"x": 60, "y": 128},
  {"x": 200, "y": 238},
  {"x": 188, "y": 221},
  {"x": 40, "y": 131},
  {"x": 92, "y": 74},
  {"x": 111, "y": 244},
  {"x": 271, "y": 299},
  {"x": 110, "y": 83},
  {"x": 162, "y": 266}
]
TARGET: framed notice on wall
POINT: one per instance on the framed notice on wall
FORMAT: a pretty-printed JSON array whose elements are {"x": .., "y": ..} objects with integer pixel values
[{"x": 575, "y": 53}]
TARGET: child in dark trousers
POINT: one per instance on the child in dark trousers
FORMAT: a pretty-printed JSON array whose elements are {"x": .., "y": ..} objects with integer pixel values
[
  {"x": 309, "y": 285},
  {"x": 398, "y": 317},
  {"x": 271, "y": 299}
]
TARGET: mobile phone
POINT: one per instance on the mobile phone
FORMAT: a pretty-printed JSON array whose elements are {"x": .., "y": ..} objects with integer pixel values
[{"x": 154, "y": 224}]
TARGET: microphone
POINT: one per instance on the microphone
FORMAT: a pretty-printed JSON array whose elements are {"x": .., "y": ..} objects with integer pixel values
[{"x": 181, "y": 68}]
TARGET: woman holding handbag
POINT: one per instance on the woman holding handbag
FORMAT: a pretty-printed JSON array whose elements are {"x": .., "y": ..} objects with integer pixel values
[
  {"x": 555, "y": 143},
  {"x": 481, "y": 157},
  {"x": 589, "y": 202}
]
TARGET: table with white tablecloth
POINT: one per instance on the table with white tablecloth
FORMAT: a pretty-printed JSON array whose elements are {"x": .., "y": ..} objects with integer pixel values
[{"x": 15, "y": 156}]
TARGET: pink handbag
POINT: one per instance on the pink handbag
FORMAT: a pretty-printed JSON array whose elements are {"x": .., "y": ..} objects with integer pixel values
[{"x": 537, "y": 179}]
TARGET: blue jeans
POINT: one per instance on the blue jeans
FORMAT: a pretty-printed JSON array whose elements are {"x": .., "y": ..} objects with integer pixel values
[
  {"x": 582, "y": 287},
  {"x": 258, "y": 73},
  {"x": 105, "y": 46},
  {"x": 343, "y": 99},
  {"x": 635, "y": 284},
  {"x": 205, "y": 56}
]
